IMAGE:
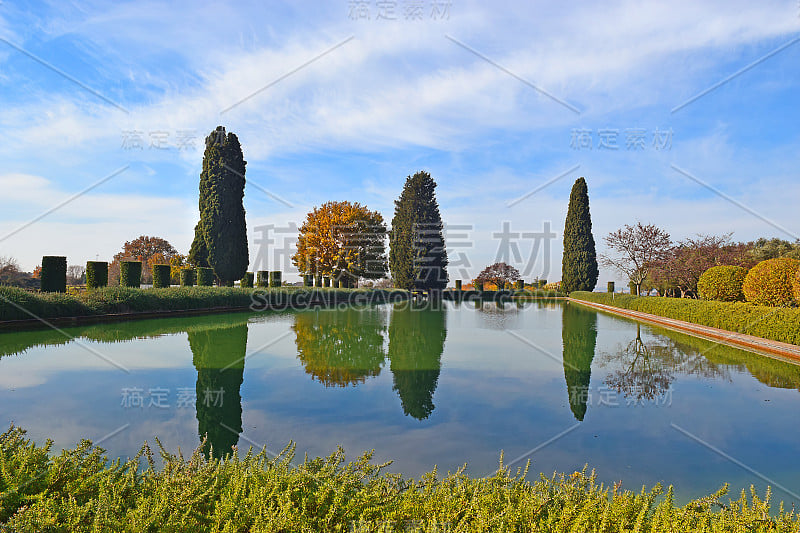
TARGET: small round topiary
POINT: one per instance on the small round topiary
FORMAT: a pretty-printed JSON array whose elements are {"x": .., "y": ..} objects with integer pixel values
[
  {"x": 722, "y": 283},
  {"x": 770, "y": 282}
]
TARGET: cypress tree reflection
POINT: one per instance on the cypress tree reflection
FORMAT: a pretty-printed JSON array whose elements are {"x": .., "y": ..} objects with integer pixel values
[
  {"x": 219, "y": 400},
  {"x": 416, "y": 342},
  {"x": 341, "y": 347},
  {"x": 579, "y": 336}
]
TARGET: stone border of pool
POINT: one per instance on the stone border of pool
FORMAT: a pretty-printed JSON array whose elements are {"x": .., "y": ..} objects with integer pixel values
[{"x": 767, "y": 347}]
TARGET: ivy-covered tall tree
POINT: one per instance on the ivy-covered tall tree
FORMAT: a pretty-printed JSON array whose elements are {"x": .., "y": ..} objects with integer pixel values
[
  {"x": 417, "y": 254},
  {"x": 579, "y": 263},
  {"x": 222, "y": 223},
  {"x": 198, "y": 253}
]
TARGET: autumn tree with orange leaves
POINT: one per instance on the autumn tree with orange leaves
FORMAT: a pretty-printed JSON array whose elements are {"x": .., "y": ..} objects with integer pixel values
[{"x": 343, "y": 240}]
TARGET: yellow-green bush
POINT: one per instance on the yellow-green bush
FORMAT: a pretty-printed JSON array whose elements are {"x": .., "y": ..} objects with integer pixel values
[
  {"x": 796, "y": 286},
  {"x": 722, "y": 283},
  {"x": 770, "y": 282}
]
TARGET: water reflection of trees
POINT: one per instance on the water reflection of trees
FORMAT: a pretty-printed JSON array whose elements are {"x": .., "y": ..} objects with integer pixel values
[
  {"x": 416, "y": 341},
  {"x": 218, "y": 355},
  {"x": 645, "y": 369},
  {"x": 341, "y": 347},
  {"x": 497, "y": 315},
  {"x": 579, "y": 338}
]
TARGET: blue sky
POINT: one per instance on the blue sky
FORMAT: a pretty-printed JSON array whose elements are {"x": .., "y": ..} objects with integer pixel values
[{"x": 496, "y": 101}]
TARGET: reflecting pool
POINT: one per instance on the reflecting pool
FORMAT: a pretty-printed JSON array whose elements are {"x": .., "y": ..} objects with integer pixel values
[{"x": 555, "y": 383}]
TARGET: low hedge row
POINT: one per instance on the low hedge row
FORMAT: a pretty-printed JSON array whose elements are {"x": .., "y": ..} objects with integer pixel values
[
  {"x": 777, "y": 323},
  {"x": 19, "y": 304},
  {"x": 81, "y": 490}
]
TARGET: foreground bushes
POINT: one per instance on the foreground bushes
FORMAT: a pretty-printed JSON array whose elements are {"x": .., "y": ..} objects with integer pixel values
[
  {"x": 776, "y": 323},
  {"x": 78, "y": 490}
]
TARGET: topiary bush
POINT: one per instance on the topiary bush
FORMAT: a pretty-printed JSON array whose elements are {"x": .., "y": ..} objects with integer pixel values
[
  {"x": 187, "y": 277},
  {"x": 96, "y": 274},
  {"x": 796, "y": 286},
  {"x": 262, "y": 278},
  {"x": 478, "y": 285},
  {"x": 130, "y": 274},
  {"x": 610, "y": 286},
  {"x": 275, "y": 278},
  {"x": 326, "y": 281},
  {"x": 308, "y": 280},
  {"x": 54, "y": 273},
  {"x": 247, "y": 280},
  {"x": 318, "y": 280},
  {"x": 519, "y": 284},
  {"x": 770, "y": 282},
  {"x": 722, "y": 283},
  {"x": 458, "y": 285},
  {"x": 161, "y": 276},
  {"x": 205, "y": 277}
]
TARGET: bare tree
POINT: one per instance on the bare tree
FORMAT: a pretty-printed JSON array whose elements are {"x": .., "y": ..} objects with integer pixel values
[
  {"x": 8, "y": 266},
  {"x": 75, "y": 274},
  {"x": 635, "y": 249}
]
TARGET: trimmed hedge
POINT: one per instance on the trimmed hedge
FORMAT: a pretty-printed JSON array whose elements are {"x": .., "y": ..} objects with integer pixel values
[
  {"x": 722, "y": 283},
  {"x": 161, "y": 276},
  {"x": 275, "y": 279},
  {"x": 247, "y": 281},
  {"x": 96, "y": 274},
  {"x": 610, "y": 286},
  {"x": 187, "y": 277},
  {"x": 54, "y": 273},
  {"x": 107, "y": 300},
  {"x": 326, "y": 281},
  {"x": 318, "y": 280},
  {"x": 205, "y": 277},
  {"x": 478, "y": 285},
  {"x": 777, "y": 323},
  {"x": 262, "y": 278},
  {"x": 308, "y": 280},
  {"x": 770, "y": 282},
  {"x": 458, "y": 284},
  {"x": 130, "y": 274}
]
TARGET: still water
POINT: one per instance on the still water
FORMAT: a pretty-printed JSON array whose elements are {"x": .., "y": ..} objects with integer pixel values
[{"x": 556, "y": 383}]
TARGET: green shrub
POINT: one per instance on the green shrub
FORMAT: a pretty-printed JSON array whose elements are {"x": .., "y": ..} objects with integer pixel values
[
  {"x": 84, "y": 491},
  {"x": 275, "y": 278},
  {"x": 54, "y": 273},
  {"x": 205, "y": 276},
  {"x": 318, "y": 280},
  {"x": 722, "y": 283},
  {"x": 542, "y": 283},
  {"x": 247, "y": 281},
  {"x": 262, "y": 278},
  {"x": 610, "y": 286},
  {"x": 187, "y": 277},
  {"x": 161, "y": 276},
  {"x": 130, "y": 274},
  {"x": 770, "y": 282},
  {"x": 780, "y": 324},
  {"x": 326, "y": 281},
  {"x": 96, "y": 274},
  {"x": 308, "y": 280},
  {"x": 478, "y": 285},
  {"x": 519, "y": 284},
  {"x": 458, "y": 284},
  {"x": 796, "y": 286}
]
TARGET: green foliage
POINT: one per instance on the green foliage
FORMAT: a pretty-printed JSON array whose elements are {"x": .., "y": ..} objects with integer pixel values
[
  {"x": 579, "y": 261},
  {"x": 130, "y": 274},
  {"x": 222, "y": 217},
  {"x": 458, "y": 284},
  {"x": 478, "y": 285},
  {"x": 187, "y": 277},
  {"x": 205, "y": 276},
  {"x": 308, "y": 280},
  {"x": 610, "y": 286},
  {"x": 247, "y": 280},
  {"x": 262, "y": 278},
  {"x": 161, "y": 276},
  {"x": 96, "y": 274},
  {"x": 318, "y": 280},
  {"x": 79, "y": 490},
  {"x": 723, "y": 283},
  {"x": 54, "y": 273},
  {"x": 198, "y": 253},
  {"x": 779, "y": 324},
  {"x": 275, "y": 278},
  {"x": 417, "y": 254},
  {"x": 770, "y": 282}
]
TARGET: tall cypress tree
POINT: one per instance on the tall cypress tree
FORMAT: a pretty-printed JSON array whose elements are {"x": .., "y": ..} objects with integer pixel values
[
  {"x": 417, "y": 254},
  {"x": 579, "y": 262},
  {"x": 198, "y": 253},
  {"x": 222, "y": 221}
]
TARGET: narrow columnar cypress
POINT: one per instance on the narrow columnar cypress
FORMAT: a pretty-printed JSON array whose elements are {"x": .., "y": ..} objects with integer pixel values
[
  {"x": 54, "y": 274},
  {"x": 222, "y": 217},
  {"x": 417, "y": 254},
  {"x": 579, "y": 263}
]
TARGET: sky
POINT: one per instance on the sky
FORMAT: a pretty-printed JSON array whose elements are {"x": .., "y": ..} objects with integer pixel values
[{"x": 681, "y": 114}]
